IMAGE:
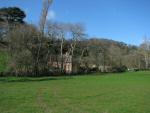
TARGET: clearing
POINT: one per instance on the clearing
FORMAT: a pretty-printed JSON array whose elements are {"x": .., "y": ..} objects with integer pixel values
[{"x": 111, "y": 93}]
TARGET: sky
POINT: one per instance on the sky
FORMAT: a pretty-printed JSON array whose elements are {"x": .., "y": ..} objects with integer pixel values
[{"x": 121, "y": 20}]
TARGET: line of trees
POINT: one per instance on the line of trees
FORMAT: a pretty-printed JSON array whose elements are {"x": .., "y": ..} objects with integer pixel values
[{"x": 30, "y": 47}]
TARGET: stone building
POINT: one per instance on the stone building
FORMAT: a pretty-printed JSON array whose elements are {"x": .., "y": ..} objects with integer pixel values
[{"x": 56, "y": 62}]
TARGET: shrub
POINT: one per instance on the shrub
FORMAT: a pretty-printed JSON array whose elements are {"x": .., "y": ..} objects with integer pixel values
[{"x": 119, "y": 69}]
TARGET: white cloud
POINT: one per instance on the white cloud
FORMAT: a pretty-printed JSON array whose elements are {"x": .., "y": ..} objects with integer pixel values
[{"x": 51, "y": 15}]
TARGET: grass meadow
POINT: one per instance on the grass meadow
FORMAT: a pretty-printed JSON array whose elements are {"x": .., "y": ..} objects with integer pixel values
[{"x": 111, "y": 93}]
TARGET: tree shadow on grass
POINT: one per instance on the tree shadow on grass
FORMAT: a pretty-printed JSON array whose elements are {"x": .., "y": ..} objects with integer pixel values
[{"x": 32, "y": 79}]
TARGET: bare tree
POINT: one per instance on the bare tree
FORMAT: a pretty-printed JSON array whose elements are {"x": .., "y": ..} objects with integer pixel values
[
  {"x": 45, "y": 9},
  {"x": 76, "y": 34},
  {"x": 59, "y": 32},
  {"x": 145, "y": 47},
  {"x": 22, "y": 47}
]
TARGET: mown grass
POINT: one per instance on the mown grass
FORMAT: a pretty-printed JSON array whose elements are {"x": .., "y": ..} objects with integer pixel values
[{"x": 112, "y": 93}]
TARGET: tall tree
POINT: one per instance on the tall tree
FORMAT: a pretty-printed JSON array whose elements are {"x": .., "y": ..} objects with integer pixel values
[
  {"x": 145, "y": 47},
  {"x": 77, "y": 33},
  {"x": 42, "y": 25},
  {"x": 12, "y": 15},
  {"x": 9, "y": 18}
]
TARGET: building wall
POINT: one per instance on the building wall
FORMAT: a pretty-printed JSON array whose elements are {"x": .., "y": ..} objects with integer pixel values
[{"x": 55, "y": 62}]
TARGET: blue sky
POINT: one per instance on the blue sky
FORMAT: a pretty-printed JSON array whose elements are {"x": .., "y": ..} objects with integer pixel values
[{"x": 121, "y": 20}]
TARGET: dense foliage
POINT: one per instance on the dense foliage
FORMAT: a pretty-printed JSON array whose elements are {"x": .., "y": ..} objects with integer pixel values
[{"x": 12, "y": 15}]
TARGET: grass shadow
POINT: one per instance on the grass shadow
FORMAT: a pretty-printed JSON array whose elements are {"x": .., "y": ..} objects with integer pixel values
[{"x": 31, "y": 79}]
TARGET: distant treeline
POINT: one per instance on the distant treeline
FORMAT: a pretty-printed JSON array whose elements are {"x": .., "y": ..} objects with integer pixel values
[{"x": 59, "y": 48}]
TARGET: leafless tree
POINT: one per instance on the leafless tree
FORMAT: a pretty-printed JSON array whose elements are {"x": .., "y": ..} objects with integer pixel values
[
  {"x": 145, "y": 47},
  {"x": 58, "y": 31},
  {"x": 22, "y": 47},
  {"x": 77, "y": 32},
  {"x": 42, "y": 23}
]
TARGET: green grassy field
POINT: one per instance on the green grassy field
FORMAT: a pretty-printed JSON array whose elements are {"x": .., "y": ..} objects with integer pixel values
[{"x": 118, "y": 93}]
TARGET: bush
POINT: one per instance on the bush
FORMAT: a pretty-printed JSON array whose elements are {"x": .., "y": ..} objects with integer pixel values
[{"x": 119, "y": 69}]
